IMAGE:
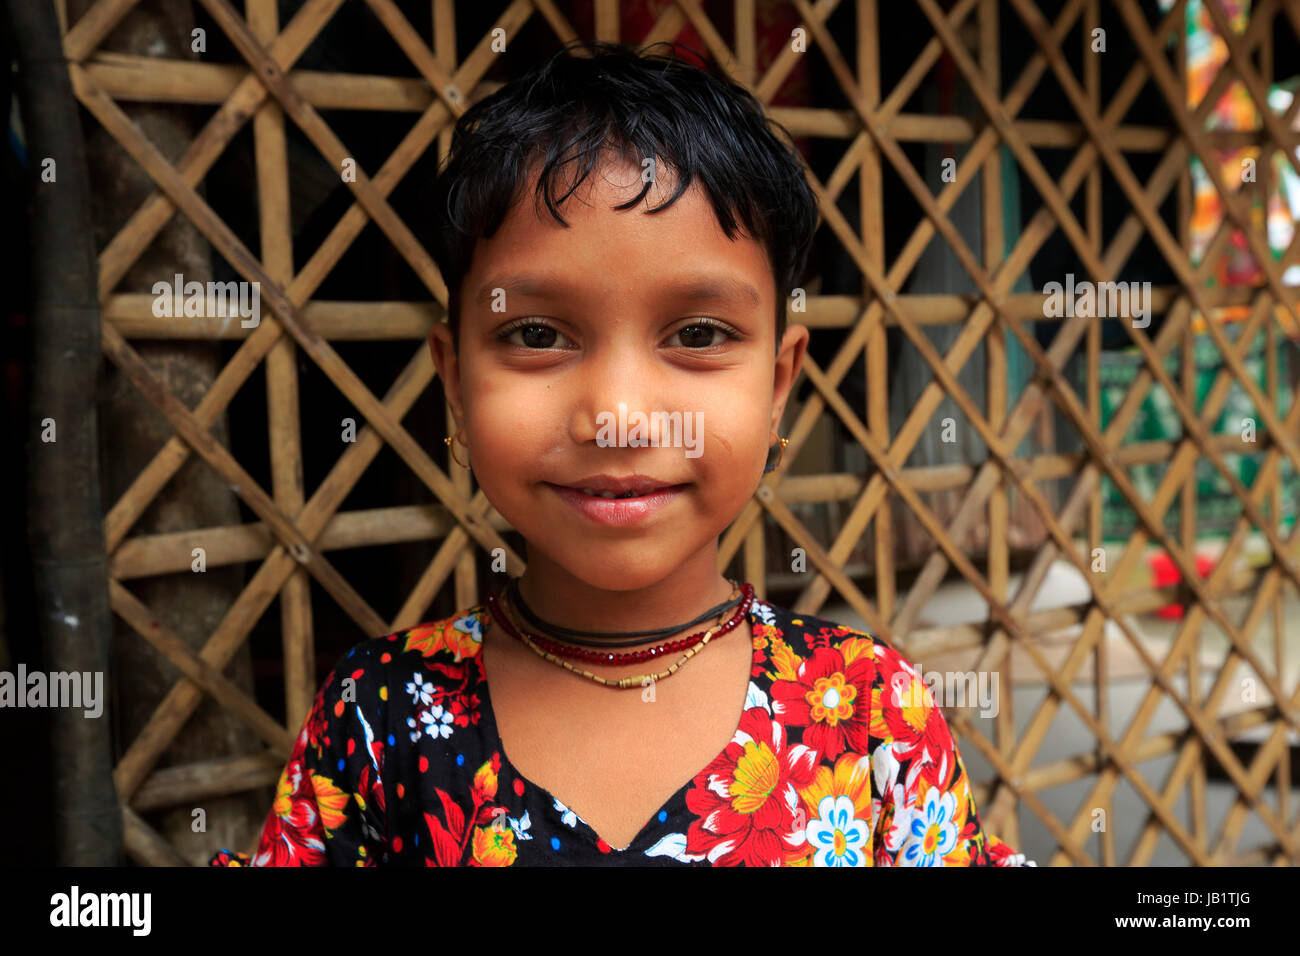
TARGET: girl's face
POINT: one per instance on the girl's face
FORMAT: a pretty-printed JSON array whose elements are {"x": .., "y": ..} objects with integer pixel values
[{"x": 657, "y": 313}]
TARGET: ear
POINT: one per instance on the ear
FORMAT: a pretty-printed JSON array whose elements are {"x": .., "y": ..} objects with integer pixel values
[
  {"x": 789, "y": 360},
  {"x": 448, "y": 366}
]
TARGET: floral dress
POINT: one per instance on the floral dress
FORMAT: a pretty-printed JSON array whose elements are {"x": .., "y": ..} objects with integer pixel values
[{"x": 400, "y": 763}]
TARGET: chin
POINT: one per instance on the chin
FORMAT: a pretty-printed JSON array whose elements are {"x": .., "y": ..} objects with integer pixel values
[{"x": 627, "y": 569}]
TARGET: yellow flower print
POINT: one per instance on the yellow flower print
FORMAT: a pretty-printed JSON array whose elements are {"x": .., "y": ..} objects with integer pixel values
[
  {"x": 839, "y": 805},
  {"x": 786, "y": 662},
  {"x": 757, "y": 774},
  {"x": 427, "y": 639},
  {"x": 831, "y": 699},
  {"x": 283, "y": 803},
  {"x": 463, "y": 636},
  {"x": 332, "y": 802},
  {"x": 854, "y": 647},
  {"x": 485, "y": 778},
  {"x": 494, "y": 846}
]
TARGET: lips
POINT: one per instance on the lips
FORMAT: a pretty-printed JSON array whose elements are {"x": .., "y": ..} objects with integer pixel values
[
  {"x": 639, "y": 503},
  {"x": 613, "y": 486}
]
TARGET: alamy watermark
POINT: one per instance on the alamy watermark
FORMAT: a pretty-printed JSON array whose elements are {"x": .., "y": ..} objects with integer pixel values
[
  {"x": 949, "y": 688},
  {"x": 75, "y": 908},
  {"x": 653, "y": 429},
  {"x": 56, "y": 689},
  {"x": 1103, "y": 300},
  {"x": 213, "y": 300}
]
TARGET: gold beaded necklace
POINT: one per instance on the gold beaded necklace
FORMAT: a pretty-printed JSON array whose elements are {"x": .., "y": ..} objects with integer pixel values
[{"x": 504, "y": 616}]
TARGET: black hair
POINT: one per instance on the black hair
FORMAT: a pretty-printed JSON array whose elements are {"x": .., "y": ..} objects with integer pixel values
[{"x": 571, "y": 108}]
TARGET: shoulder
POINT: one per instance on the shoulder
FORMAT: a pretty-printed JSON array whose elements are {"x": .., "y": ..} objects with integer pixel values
[
  {"x": 435, "y": 670},
  {"x": 370, "y": 673},
  {"x": 799, "y": 637},
  {"x": 448, "y": 641},
  {"x": 797, "y": 650},
  {"x": 451, "y": 640}
]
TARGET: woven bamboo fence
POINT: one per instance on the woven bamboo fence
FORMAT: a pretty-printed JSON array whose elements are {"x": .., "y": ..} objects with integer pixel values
[{"x": 299, "y": 527}]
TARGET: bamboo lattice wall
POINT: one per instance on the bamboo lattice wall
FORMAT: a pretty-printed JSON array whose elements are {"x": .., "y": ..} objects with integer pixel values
[{"x": 301, "y": 526}]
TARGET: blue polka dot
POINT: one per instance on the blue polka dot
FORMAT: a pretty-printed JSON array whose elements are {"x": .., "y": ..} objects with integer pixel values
[
  {"x": 663, "y": 815},
  {"x": 417, "y": 839},
  {"x": 341, "y": 763},
  {"x": 460, "y": 760},
  {"x": 351, "y": 652},
  {"x": 392, "y": 741},
  {"x": 555, "y": 843}
]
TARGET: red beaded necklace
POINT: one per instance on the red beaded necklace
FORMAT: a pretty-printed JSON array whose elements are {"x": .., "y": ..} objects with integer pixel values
[{"x": 592, "y": 656}]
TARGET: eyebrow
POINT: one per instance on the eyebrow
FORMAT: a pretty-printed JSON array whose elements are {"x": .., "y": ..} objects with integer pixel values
[{"x": 692, "y": 288}]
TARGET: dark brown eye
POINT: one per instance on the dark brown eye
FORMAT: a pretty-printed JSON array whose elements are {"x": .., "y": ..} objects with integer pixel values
[
  {"x": 538, "y": 336},
  {"x": 698, "y": 336},
  {"x": 532, "y": 335}
]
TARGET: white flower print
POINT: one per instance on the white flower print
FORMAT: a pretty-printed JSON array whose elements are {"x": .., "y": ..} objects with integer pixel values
[
  {"x": 471, "y": 625},
  {"x": 437, "y": 721},
  {"x": 756, "y": 697},
  {"x": 568, "y": 816},
  {"x": 520, "y": 825},
  {"x": 674, "y": 845},
  {"x": 421, "y": 690},
  {"x": 838, "y": 837},
  {"x": 931, "y": 832}
]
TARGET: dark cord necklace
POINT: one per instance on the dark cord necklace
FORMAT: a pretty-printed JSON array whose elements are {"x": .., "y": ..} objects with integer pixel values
[{"x": 638, "y": 637}]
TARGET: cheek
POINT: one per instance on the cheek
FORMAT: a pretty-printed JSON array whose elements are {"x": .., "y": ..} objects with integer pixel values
[
  {"x": 512, "y": 425},
  {"x": 736, "y": 435}
]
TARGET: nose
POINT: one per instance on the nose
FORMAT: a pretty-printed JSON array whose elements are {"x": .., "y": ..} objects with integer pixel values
[{"x": 615, "y": 373}]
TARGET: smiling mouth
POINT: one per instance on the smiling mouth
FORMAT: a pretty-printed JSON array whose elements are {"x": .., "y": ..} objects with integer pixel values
[
  {"x": 626, "y": 494},
  {"x": 619, "y": 509},
  {"x": 623, "y": 496}
]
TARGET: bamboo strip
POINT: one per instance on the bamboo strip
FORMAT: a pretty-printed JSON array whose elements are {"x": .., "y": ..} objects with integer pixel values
[
  {"x": 607, "y": 20},
  {"x": 871, "y": 214},
  {"x": 148, "y": 79},
  {"x": 272, "y": 161},
  {"x": 146, "y": 845},
  {"x": 202, "y": 675},
  {"x": 1000, "y": 815},
  {"x": 203, "y": 780},
  {"x": 95, "y": 24}
]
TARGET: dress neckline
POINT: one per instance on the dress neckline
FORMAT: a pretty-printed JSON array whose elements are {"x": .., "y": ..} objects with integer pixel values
[{"x": 488, "y": 714}]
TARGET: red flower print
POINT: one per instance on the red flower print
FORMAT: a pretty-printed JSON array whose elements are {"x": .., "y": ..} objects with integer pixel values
[
  {"x": 464, "y": 709},
  {"x": 746, "y": 801},
  {"x": 369, "y": 782},
  {"x": 316, "y": 729},
  {"x": 905, "y": 711},
  {"x": 449, "y": 839},
  {"x": 293, "y": 834},
  {"x": 831, "y": 696}
]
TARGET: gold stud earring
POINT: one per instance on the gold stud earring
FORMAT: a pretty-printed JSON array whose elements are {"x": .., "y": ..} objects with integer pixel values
[
  {"x": 449, "y": 441},
  {"x": 780, "y": 454}
]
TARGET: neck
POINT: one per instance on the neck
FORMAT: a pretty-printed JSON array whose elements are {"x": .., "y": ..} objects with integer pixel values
[{"x": 557, "y": 596}]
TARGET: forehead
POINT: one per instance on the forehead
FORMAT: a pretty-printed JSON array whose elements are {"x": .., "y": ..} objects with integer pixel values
[{"x": 605, "y": 250}]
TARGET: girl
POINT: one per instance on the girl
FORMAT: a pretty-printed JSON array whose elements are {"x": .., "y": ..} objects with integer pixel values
[{"x": 617, "y": 364}]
